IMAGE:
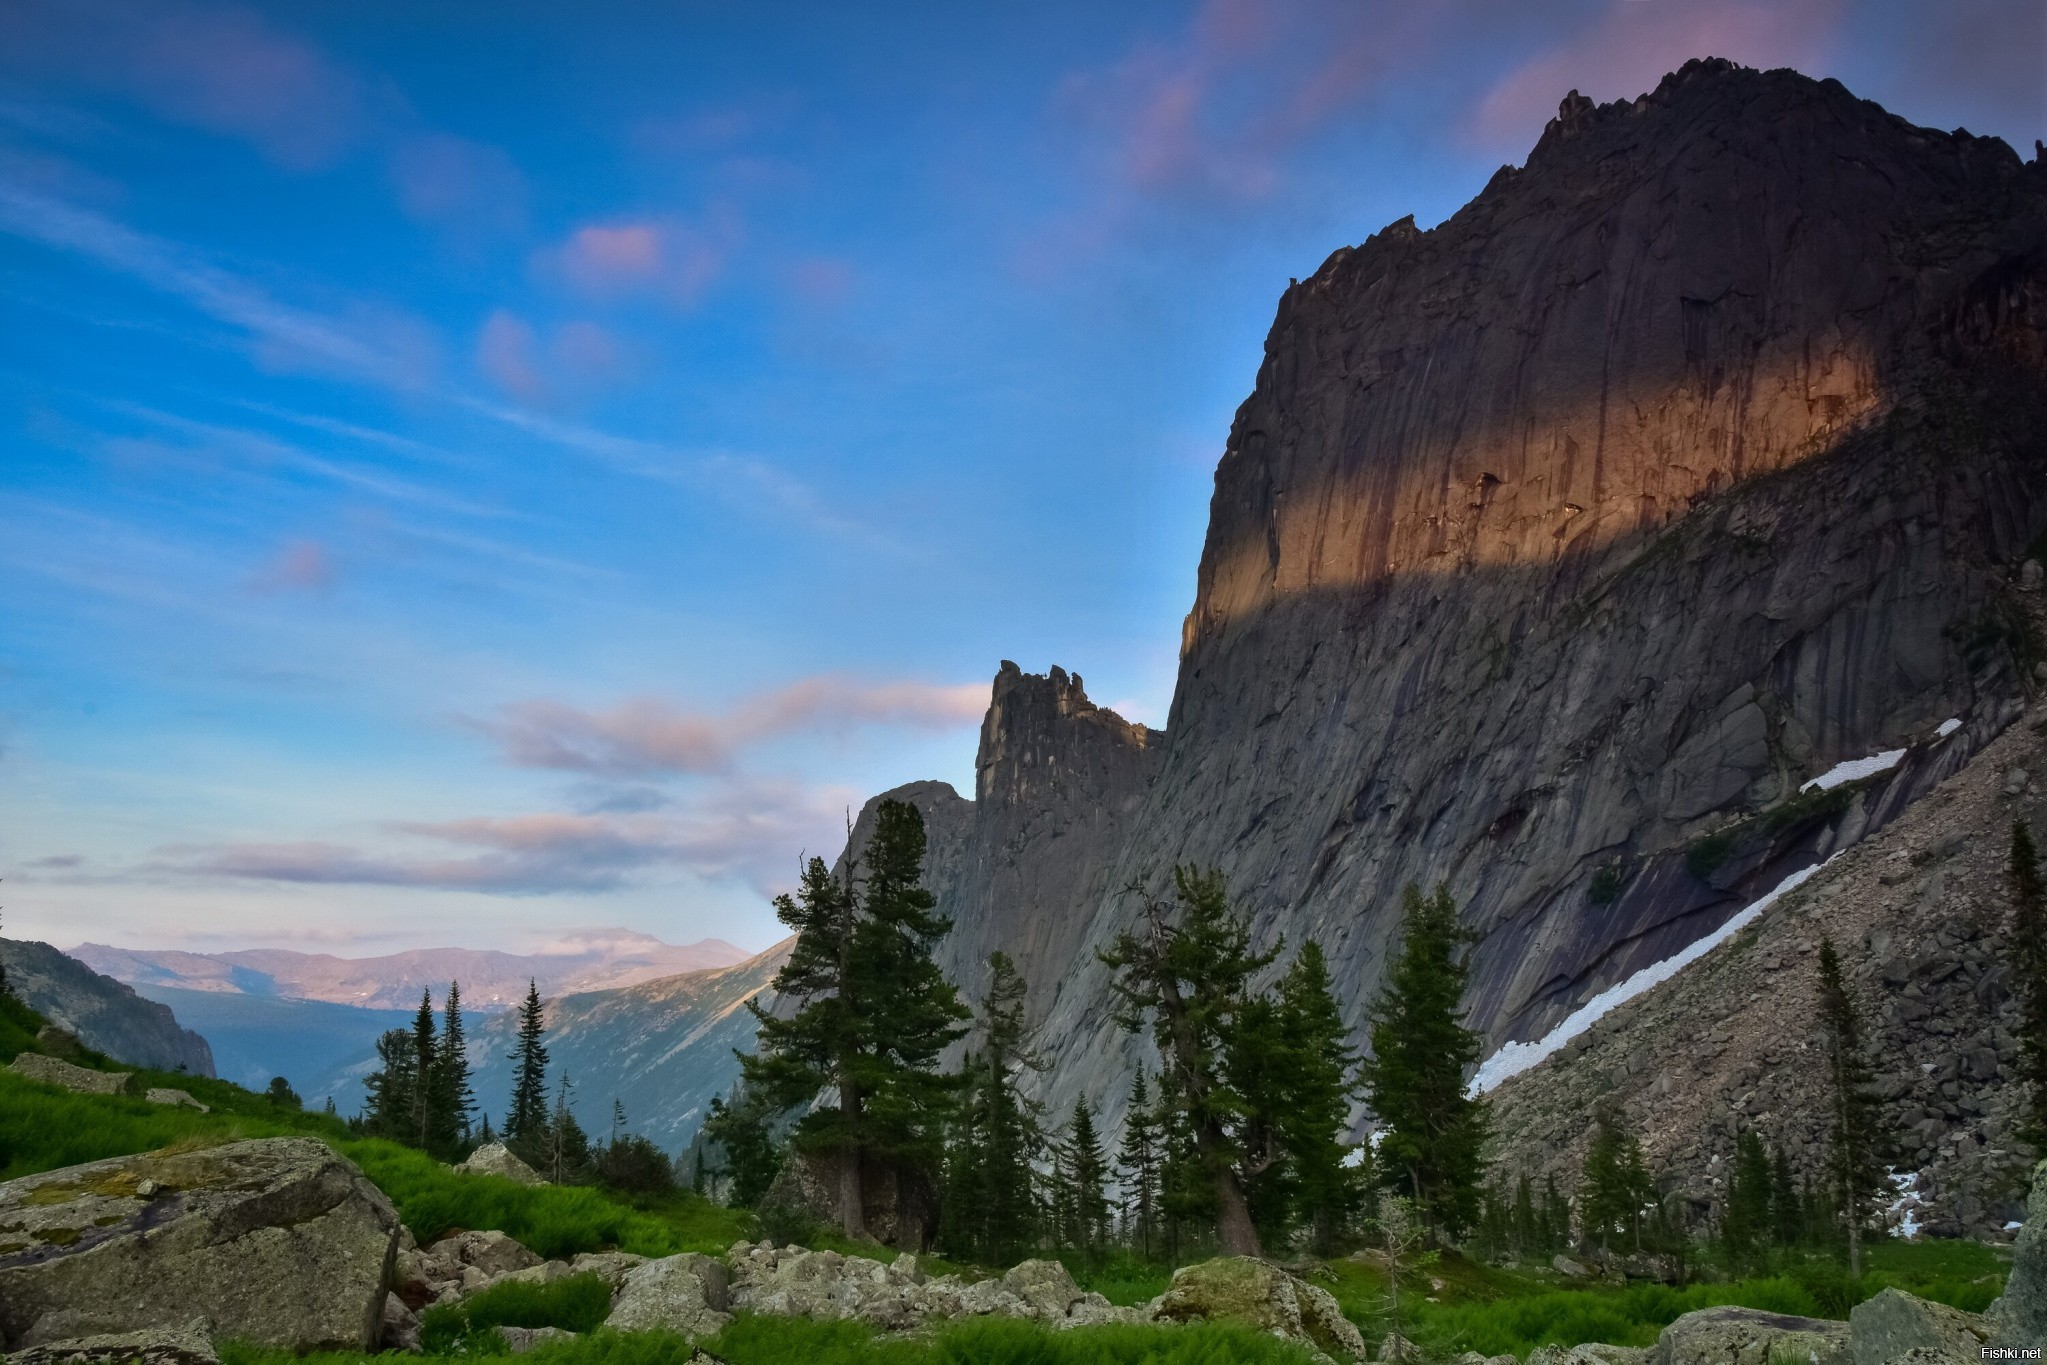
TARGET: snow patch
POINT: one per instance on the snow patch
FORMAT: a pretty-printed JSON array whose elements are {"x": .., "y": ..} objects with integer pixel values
[
  {"x": 2013, "y": 1227},
  {"x": 1514, "y": 1058},
  {"x": 1854, "y": 770},
  {"x": 1901, "y": 1215},
  {"x": 1947, "y": 727}
]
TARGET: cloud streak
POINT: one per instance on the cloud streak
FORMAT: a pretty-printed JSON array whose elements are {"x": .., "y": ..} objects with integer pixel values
[
  {"x": 646, "y": 737},
  {"x": 748, "y": 831}
]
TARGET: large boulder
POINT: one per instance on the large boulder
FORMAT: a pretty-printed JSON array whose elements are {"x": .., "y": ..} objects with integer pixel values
[
  {"x": 2019, "y": 1317},
  {"x": 278, "y": 1242},
  {"x": 1749, "y": 1336},
  {"x": 55, "y": 1071},
  {"x": 687, "y": 1294},
  {"x": 1246, "y": 1289},
  {"x": 191, "y": 1344},
  {"x": 1882, "y": 1329},
  {"x": 1047, "y": 1287},
  {"x": 494, "y": 1158}
]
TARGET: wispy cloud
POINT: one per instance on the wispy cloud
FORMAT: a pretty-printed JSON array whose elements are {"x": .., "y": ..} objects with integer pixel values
[
  {"x": 750, "y": 831},
  {"x": 1630, "y": 46},
  {"x": 383, "y": 346},
  {"x": 301, "y": 566},
  {"x": 218, "y": 67},
  {"x": 645, "y": 736},
  {"x": 667, "y": 259},
  {"x": 576, "y": 358}
]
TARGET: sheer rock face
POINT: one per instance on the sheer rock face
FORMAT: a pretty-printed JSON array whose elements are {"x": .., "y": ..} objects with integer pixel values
[
  {"x": 1694, "y": 457},
  {"x": 105, "y": 1014}
]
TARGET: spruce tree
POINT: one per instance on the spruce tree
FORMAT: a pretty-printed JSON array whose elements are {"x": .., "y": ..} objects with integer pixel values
[
  {"x": 1137, "y": 1167},
  {"x": 1434, "y": 1130},
  {"x": 1190, "y": 979},
  {"x": 875, "y": 1014},
  {"x": 1556, "y": 1216},
  {"x": 1088, "y": 1170},
  {"x": 454, "y": 1100},
  {"x": 991, "y": 1203},
  {"x": 389, "y": 1090},
  {"x": 1528, "y": 1237},
  {"x": 279, "y": 1092},
  {"x": 743, "y": 1128},
  {"x": 1320, "y": 1075},
  {"x": 1603, "y": 1194},
  {"x": 1747, "y": 1223},
  {"x": 1787, "y": 1215},
  {"x": 566, "y": 1144},
  {"x": 528, "y": 1115},
  {"x": 2028, "y": 893},
  {"x": 1857, "y": 1141},
  {"x": 425, "y": 1074}
]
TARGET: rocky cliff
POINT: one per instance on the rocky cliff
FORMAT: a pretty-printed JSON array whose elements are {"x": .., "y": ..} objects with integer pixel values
[
  {"x": 1555, "y": 548},
  {"x": 106, "y": 1015}
]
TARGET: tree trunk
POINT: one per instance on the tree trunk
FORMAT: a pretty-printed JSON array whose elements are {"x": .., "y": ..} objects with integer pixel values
[
  {"x": 1854, "y": 1241},
  {"x": 1234, "y": 1226},
  {"x": 852, "y": 1206}
]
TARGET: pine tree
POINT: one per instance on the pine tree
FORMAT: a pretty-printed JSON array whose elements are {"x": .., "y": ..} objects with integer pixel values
[
  {"x": 991, "y": 1204},
  {"x": 1320, "y": 1078},
  {"x": 1556, "y": 1216},
  {"x": 698, "y": 1181},
  {"x": 279, "y": 1092},
  {"x": 1187, "y": 1188},
  {"x": 617, "y": 1120},
  {"x": 528, "y": 1115},
  {"x": 2029, "y": 976},
  {"x": 425, "y": 1070},
  {"x": 1603, "y": 1194},
  {"x": 453, "y": 1099},
  {"x": 1787, "y": 1215},
  {"x": 1191, "y": 979},
  {"x": 1137, "y": 1167},
  {"x": 1435, "y": 1131},
  {"x": 875, "y": 1014},
  {"x": 1747, "y": 1223},
  {"x": 1088, "y": 1171},
  {"x": 389, "y": 1090},
  {"x": 567, "y": 1146},
  {"x": 1854, "y": 1165},
  {"x": 743, "y": 1128},
  {"x": 330, "y": 1107},
  {"x": 1528, "y": 1237}
]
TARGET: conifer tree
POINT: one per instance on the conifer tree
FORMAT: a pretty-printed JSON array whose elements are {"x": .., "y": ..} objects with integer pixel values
[
  {"x": 1527, "y": 1229},
  {"x": 1187, "y": 1200},
  {"x": 1787, "y": 1215},
  {"x": 743, "y": 1128},
  {"x": 1137, "y": 1167},
  {"x": 2028, "y": 892},
  {"x": 567, "y": 1146},
  {"x": 280, "y": 1092},
  {"x": 1747, "y": 1223},
  {"x": 1191, "y": 978},
  {"x": 1610, "y": 1191},
  {"x": 453, "y": 1099},
  {"x": 1435, "y": 1131},
  {"x": 1857, "y": 1141},
  {"x": 1556, "y": 1216},
  {"x": 1320, "y": 1072},
  {"x": 1088, "y": 1171},
  {"x": 425, "y": 1074},
  {"x": 875, "y": 1014},
  {"x": 389, "y": 1090},
  {"x": 330, "y": 1107},
  {"x": 991, "y": 1203},
  {"x": 528, "y": 1115}
]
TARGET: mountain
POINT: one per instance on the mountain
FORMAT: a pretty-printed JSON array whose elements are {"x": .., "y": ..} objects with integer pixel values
[
  {"x": 255, "y": 1037},
  {"x": 587, "y": 960},
  {"x": 663, "y": 1048},
  {"x": 1556, "y": 548},
  {"x": 106, "y": 1015}
]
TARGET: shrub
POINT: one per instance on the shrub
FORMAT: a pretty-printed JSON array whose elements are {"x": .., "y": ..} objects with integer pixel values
[
  {"x": 1707, "y": 854},
  {"x": 1607, "y": 882}
]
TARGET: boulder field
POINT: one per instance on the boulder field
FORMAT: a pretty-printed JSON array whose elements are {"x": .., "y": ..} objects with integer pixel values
[{"x": 282, "y": 1242}]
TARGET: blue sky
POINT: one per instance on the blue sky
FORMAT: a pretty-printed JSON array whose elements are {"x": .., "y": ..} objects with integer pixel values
[{"x": 475, "y": 472}]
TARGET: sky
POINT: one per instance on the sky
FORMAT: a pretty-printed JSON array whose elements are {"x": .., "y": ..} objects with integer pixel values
[{"x": 475, "y": 472}]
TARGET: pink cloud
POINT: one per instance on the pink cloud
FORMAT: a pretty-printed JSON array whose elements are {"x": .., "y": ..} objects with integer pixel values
[
  {"x": 457, "y": 183},
  {"x": 667, "y": 259},
  {"x": 576, "y": 358},
  {"x": 753, "y": 831},
  {"x": 645, "y": 736},
  {"x": 301, "y": 566},
  {"x": 222, "y": 68},
  {"x": 1630, "y": 48},
  {"x": 821, "y": 280}
]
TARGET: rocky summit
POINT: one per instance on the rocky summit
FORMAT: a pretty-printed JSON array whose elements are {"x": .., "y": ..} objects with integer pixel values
[{"x": 1556, "y": 548}]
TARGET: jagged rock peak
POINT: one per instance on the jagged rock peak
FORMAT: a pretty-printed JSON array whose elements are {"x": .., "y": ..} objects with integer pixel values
[{"x": 1038, "y": 720}]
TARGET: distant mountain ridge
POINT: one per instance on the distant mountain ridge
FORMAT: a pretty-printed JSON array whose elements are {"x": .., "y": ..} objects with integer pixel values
[
  {"x": 107, "y": 1015},
  {"x": 588, "y": 960}
]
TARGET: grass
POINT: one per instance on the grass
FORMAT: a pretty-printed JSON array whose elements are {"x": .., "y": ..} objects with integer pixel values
[
  {"x": 578, "y": 1304},
  {"x": 774, "y": 1341}
]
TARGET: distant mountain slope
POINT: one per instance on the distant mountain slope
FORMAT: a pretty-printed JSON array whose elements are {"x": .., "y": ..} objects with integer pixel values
[
  {"x": 105, "y": 1014},
  {"x": 663, "y": 1047},
  {"x": 256, "y": 1037},
  {"x": 596, "y": 959}
]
